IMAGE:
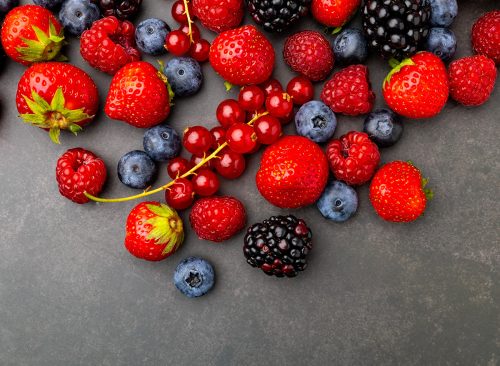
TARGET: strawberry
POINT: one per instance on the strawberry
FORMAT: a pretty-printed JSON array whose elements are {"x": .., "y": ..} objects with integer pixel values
[
  {"x": 334, "y": 13},
  {"x": 398, "y": 193},
  {"x": 138, "y": 95},
  {"x": 417, "y": 87},
  {"x": 349, "y": 91},
  {"x": 219, "y": 15},
  {"x": 242, "y": 56},
  {"x": 57, "y": 96},
  {"x": 472, "y": 79},
  {"x": 31, "y": 33},
  {"x": 309, "y": 53},
  {"x": 154, "y": 231},
  {"x": 353, "y": 158},
  {"x": 217, "y": 218},
  {"x": 486, "y": 35},
  {"x": 79, "y": 171},
  {"x": 109, "y": 45},
  {"x": 293, "y": 172}
]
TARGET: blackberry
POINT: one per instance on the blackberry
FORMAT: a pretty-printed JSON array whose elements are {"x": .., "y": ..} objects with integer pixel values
[
  {"x": 277, "y": 15},
  {"x": 122, "y": 9},
  {"x": 279, "y": 245},
  {"x": 396, "y": 28}
]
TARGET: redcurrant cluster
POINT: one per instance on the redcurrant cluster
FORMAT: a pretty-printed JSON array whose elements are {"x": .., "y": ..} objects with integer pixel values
[
  {"x": 187, "y": 39},
  {"x": 255, "y": 118}
]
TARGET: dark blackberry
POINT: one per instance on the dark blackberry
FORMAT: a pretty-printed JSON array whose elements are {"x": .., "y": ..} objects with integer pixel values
[
  {"x": 122, "y": 9},
  {"x": 396, "y": 28},
  {"x": 277, "y": 15},
  {"x": 279, "y": 245}
]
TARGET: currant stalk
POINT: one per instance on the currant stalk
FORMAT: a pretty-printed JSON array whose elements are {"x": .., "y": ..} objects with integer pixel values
[{"x": 188, "y": 16}]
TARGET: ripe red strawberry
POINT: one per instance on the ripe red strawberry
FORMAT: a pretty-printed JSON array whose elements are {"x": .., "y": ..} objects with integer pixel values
[
  {"x": 334, "y": 13},
  {"x": 353, "y": 158},
  {"x": 217, "y": 218},
  {"x": 109, "y": 45},
  {"x": 57, "y": 96},
  {"x": 154, "y": 231},
  {"x": 398, "y": 193},
  {"x": 293, "y": 172},
  {"x": 417, "y": 87},
  {"x": 242, "y": 56},
  {"x": 31, "y": 33},
  {"x": 309, "y": 53},
  {"x": 79, "y": 171},
  {"x": 138, "y": 95},
  {"x": 219, "y": 15},
  {"x": 349, "y": 91},
  {"x": 486, "y": 35},
  {"x": 472, "y": 79}
]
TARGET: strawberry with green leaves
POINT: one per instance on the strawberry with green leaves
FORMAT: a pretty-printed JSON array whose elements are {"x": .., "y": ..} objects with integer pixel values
[
  {"x": 154, "y": 231},
  {"x": 56, "y": 96},
  {"x": 398, "y": 192},
  {"x": 31, "y": 33},
  {"x": 417, "y": 87}
]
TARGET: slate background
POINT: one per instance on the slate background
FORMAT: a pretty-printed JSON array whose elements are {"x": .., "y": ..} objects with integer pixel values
[{"x": 375, "y": 293}]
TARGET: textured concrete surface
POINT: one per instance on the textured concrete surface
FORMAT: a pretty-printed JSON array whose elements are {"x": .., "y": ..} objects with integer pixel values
[{"x": 427, "y": 293}]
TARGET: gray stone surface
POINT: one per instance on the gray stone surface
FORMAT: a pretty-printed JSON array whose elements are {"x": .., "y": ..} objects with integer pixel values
[{"x": 375, "y": 293}]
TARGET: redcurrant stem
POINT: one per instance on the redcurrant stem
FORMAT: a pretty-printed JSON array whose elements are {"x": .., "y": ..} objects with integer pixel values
[
  {"x": 188, "y": 16},
  {"x": 192, "y": 171}
]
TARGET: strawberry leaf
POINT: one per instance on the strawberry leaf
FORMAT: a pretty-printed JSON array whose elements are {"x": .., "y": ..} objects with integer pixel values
[
  {"x": 54, "y": 133},
  {"x": 58, "y": 102}
]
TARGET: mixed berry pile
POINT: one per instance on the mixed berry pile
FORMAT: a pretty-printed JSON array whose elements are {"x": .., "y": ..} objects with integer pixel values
[{"x": 311, "y": 167}]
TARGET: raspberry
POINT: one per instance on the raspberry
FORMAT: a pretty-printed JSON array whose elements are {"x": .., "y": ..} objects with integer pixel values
[
  {"x": 349, "y": 91},
  {"x": 80, "y": 171},
  {"x": 472, "y": 79},
  {"x": 310, "y": 54},
  {"x": 109, "y": 45}
]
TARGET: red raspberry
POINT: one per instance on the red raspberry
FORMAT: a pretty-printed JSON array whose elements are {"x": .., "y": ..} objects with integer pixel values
[
  {"x": 486, "y": 35},
  {"x": 109, "y": 45},
  {"x": 353, "y": 158},
  {"x": 217, "y": 218},
  {"x": 80, "y": 171},
  {"x": 472, "y": 79},
  {"x": 349, "y": 91},
  {"x": 310, "y": 54},
  {"x": 219, "y": 15}
]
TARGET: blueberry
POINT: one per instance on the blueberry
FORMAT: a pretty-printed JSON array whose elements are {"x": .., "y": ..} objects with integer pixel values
[
  {"x": 162, "y": 143},
  {"x": 136, "y": 169},
  {"x": 443, "y": 12},
  {"x": 338, "y": 201},
  {"x": 49, "y": 4},
  {"x": 7, "y": 5},
  {"x": 383, "y": 127},
  {"x": 350, "y": 47},
  {"x": 315, "y": 121},
  {"x": 194, "y": 277},
  {"x": 184, "y": 76},
  {"x": 78, "y": 15},
  {"x": 150, "y": 36},
  {"x": 442, "y": 42}
]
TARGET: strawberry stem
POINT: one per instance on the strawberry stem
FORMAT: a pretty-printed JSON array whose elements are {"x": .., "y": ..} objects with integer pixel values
[
  {"x": 192, "y": 171},
  {"x": 188, "y": 16}
]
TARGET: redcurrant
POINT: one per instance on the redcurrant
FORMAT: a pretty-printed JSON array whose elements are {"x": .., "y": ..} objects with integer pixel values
[
  {"x": 230, "y": 112},
  {"x": 218, "y": 136},
  {"x": 195, "y": 31},
  {"x": 177, "y": 43},
  {"x": 178, "y": 166},
  {"x": 241, "y": 138},
  {"x": 179, "y": 12},
  {"x": 200, "y": 50},
  {"x": 271, "y": 86},
  {"x": 195, "y": 160},
  {"x": 288, "y": 118},
  {"x": 279, "y": 105},
  {"x": 206, "y": 183},
  {"x": 197, "y": 140},
  {"x": 301, "y": 90},
  {"x": 180, "y": 195},
  {"x": 268, "y": 129},
  {"x": 251, "y": 98},
  {"x": 230, "y": 164}
]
